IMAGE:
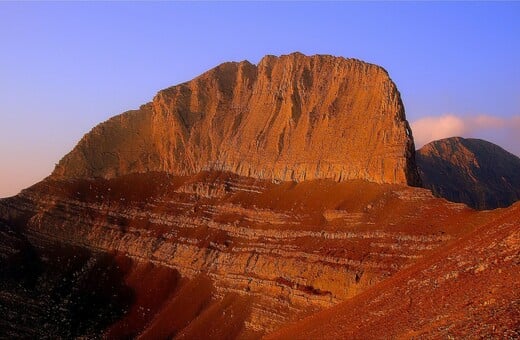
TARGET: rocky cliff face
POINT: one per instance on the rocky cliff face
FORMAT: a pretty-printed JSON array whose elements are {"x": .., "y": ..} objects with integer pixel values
[
  {"x": 292, "y": 117},
  {"x": 471, "y": 171}
]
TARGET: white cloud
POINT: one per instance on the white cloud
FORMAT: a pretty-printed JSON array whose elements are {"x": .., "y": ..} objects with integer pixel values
[
  {"x": 428, "y": 129},
  {"x": 502, "y": 131}
]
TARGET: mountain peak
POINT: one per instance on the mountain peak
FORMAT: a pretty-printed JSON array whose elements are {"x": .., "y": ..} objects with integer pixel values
[
  {"x": 473, "y": 171},
  {"x": 292, "y": 117}
]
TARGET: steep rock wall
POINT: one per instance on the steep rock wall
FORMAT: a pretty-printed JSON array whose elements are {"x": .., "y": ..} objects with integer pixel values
[{"x": 292, "y": 117}]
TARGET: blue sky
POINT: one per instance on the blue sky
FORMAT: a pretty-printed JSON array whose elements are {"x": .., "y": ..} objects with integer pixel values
[{"x": 64, "y": 67}]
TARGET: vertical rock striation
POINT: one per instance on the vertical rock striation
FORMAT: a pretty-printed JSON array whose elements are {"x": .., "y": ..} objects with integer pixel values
[
  {"x": 293, "y": 117},
  {"x": 183, "y": 219}
]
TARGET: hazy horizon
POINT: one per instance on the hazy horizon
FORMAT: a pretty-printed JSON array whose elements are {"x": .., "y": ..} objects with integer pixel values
[{"x": 68, "y": 66}]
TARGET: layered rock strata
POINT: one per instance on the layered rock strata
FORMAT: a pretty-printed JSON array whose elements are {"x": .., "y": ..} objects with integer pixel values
[
  {"x": 292, "y": 117},
  {"x": 468, "y": 289},
  {"x": 230, "y": 205},
  {"x": 283, "y": 250}
]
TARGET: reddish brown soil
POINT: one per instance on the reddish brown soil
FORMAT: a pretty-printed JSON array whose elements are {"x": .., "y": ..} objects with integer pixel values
[
  {"x": 227, "y": 256},
  {"x": 181, "y": 309},
  {"x": 469, "y": 288},
  {"x": 152, "y": 286}
]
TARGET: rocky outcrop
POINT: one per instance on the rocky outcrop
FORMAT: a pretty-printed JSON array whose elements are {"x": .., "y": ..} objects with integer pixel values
[
  {"x": 471, "y": 171},
  {"x": 292, "y": 117},
  {"x": 272, "y": 253},
  {"x": 57, "y": 290}
]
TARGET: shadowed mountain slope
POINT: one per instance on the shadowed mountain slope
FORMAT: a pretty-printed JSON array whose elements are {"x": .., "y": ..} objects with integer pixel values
[{"x": 472, "y": 171}]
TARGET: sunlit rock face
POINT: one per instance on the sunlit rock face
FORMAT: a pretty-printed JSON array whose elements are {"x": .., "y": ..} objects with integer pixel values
[
  {"x": 293, "y": 117},
  {"x": 472, "y": 171}
]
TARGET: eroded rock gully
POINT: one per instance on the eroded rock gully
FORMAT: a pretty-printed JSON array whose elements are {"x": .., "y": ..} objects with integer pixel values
[{"x": 272, "y": 252}]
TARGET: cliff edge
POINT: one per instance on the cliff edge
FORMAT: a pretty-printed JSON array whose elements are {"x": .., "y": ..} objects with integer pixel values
[{"x": 292, "y": 117}]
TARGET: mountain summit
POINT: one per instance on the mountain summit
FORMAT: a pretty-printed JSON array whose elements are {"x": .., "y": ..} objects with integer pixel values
[
  {"x": 472, "y": 171},
  {"x": 292, "y": 117}
]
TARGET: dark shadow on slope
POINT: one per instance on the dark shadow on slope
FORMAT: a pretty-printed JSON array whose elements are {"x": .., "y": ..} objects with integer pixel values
[
  {"x": 57, "y": 292},
  {"x": 471, "y": 171}
]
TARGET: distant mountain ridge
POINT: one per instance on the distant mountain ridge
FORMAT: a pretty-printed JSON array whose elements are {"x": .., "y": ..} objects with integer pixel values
[{"x": 472, "y": 171}]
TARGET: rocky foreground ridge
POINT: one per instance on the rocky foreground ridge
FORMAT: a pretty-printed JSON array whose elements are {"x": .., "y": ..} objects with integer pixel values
[
  {"x": 471, "y": 171},
  {"x": 292, "y": 117},
  {"x": 469, "y": 289},
  {"x": 230, "y": 256}
]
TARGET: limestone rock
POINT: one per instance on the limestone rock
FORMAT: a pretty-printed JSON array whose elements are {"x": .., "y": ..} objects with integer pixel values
[
  {"x": 293, "y": 117},
  {"x": 471, "y": 171}
]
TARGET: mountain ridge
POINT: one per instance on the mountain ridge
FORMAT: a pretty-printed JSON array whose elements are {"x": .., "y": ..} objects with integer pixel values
[
  {"x": 472, "y": 171},
  {"x": 458, "y": 291},
  {"x": 291, "y": 117}
]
